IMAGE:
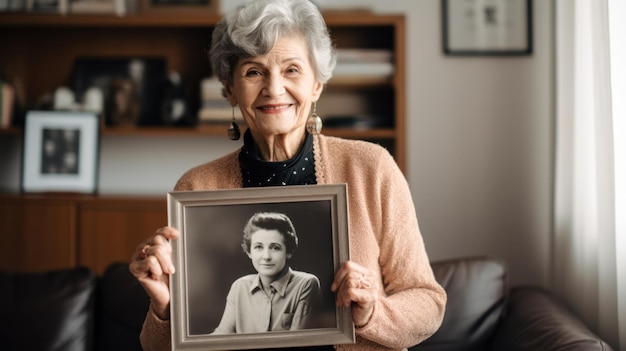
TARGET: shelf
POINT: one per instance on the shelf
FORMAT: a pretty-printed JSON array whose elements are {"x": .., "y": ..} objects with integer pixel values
[
  {"x": 218, "y": 130},
  {"x": 10, "y": 131},
  {"x": 98, "y": 20},
  {"x": 350, "y": 82},
  {"x": 196, "y": 19}
]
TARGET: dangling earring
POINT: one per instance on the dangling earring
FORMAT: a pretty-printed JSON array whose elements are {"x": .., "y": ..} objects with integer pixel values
[
  {"x": 233, "y": 130},
  {"x": 314, "y": 122}
]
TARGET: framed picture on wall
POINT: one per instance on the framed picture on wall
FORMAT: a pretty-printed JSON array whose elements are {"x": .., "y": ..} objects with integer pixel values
[
  {"x": 240, "y": 247},
  {"x": 487, "y": 27},
  {"x": 60, "y": 152}
]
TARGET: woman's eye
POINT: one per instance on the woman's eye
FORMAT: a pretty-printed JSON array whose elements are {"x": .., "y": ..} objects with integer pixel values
[
  {"x": 253, "y": 73},
  {"x": 257, "y": 247},
  {"x": 275, "y": 247},
  {"x": 292, "y": 70}
]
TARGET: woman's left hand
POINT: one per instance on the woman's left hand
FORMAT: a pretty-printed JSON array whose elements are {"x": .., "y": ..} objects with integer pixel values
[{"x": 356, "y": 286}]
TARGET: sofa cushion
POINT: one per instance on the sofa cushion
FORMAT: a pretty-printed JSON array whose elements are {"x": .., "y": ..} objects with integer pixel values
[
  {"x": 122, "y": 309},
  {"x": 537, "y": 321},
  {"x": 47, "y": 311},
  {"x": 477, "y": 291}
]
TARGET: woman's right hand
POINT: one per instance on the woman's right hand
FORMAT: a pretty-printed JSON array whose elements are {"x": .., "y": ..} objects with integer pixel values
[{"x": 152, "y": 265}]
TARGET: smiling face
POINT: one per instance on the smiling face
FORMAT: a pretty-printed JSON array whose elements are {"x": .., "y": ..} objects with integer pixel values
[
  {"x": 275, "y": 91},
  {"x": 268, "y": 253}
]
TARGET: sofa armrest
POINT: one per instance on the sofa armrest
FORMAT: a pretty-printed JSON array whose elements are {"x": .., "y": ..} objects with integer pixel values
[
  {"x": 123, "y": 307},
  {"x": 536, "y": 321},
  {"x": 47, "y": 310},
  {"x": 477, "y": 292}
]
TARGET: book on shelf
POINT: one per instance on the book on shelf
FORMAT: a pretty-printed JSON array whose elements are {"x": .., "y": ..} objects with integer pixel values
[
  {"x": 364, "y": 69},
  {"x": 58, "y": 6},
  {"x": 12, "y": 5},
  {"x": 117, "y": 7},
  {"x": 214, "y": 108},
  {"x": 217, "y": 112},
  {"x": 364, "y": 63},
  {"x": 364, "y": 55},
  {"x": 7, "y": 101},
  {"x": 92, "y": 6}
]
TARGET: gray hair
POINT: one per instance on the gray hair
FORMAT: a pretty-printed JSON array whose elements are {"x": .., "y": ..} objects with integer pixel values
[{"x": 252, "y": 30}]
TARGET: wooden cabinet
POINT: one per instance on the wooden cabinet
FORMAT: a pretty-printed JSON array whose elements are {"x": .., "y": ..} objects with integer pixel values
[
  {"x": 109, "y": 229},
  {"x": 39, "y": 234},
  {"x": 38, "y": 52},
  {"x": 45, "y": 232}
]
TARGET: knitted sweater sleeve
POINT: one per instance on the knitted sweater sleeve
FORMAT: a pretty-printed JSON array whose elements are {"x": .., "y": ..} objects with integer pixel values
[
  {"x": 412, "y": 305},
  {"x": 385, "y": 237},
  {"x": 155, "y": 334}
]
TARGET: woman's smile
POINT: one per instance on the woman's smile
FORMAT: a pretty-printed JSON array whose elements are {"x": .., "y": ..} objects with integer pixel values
[{"x": 274, "y": 109}]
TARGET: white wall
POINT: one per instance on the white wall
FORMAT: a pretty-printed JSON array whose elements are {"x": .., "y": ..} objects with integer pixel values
[{"x": 479, "y": 146}]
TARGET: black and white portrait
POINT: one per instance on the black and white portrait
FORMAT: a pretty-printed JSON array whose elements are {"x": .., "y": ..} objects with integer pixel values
[
  {"x": 60, "y": 151},
  {"x": 216, "y": 258}
]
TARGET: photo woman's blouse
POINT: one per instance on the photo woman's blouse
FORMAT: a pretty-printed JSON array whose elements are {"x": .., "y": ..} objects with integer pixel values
[{"x": 292, "y": 302}]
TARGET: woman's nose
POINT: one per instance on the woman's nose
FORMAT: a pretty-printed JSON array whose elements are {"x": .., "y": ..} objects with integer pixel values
[
  {"x": 266, "y": 255},
  {"x": 274, "y": 85}
]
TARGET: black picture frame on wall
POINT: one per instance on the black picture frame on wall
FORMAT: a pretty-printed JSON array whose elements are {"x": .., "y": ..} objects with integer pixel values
[{"x": 487, "y": 28}]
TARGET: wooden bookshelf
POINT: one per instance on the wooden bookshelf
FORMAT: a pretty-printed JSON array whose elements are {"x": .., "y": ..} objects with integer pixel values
[{"x": 38, "y": 50}]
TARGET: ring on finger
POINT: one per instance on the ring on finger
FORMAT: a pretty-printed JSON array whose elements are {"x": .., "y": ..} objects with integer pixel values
[{"x": 144, "y": 252}]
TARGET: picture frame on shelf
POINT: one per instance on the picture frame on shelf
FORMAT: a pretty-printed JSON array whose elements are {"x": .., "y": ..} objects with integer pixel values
[
  {"x": 210, "y": 256},
  {"x": 487, "y": 28},
  {"x": 180, "y": 6},
  {"x": 60, "y": 152}
]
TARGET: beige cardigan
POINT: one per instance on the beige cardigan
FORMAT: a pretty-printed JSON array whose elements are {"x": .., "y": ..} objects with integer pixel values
[{"x": 384, "y": 236}]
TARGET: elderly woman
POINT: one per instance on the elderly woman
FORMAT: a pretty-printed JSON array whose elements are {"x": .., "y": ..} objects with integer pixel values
[
  {"x": 273, "y": 58},
  {"x": 277, "y": 297}
]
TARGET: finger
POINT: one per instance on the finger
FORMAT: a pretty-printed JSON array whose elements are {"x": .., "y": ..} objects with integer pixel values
[
  {"x": 167, "y": 233},
  {"x": 141, "y": 269},
  {"x": 345, "y": 269},
  {"x": 163, "y": 254},
  {"x": 155, "y": 270},
  {"x": 363, "y": 298}
]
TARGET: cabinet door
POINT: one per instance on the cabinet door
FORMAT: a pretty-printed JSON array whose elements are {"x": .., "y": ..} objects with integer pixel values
[
  {"x": 110, "y": 230},
  {"x": 38, "y": 235}
]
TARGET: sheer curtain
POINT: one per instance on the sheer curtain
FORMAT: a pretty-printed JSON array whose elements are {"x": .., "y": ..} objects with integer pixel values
[{"x": 589, "y": 267}]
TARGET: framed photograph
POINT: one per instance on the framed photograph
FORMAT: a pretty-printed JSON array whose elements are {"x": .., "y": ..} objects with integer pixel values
[
  {"x": 60, "y": 152},
  {"x": 255, "y": 266},
  {"x": 178, "y": 6},
  {"x": 487, "y": 27}
]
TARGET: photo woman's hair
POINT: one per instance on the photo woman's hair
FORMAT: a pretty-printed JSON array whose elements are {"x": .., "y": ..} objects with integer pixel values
[{"x": 270, "y": 221}]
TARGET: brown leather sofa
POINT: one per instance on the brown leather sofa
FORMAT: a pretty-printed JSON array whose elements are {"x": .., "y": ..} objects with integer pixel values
[{"x": 75, "y": 310}]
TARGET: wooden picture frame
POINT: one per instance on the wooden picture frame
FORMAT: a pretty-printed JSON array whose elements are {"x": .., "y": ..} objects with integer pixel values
[
  {"x": 60, "y": 152},
  {"x": 487, "y": 28},
  {"x": 209, "y": 257}
]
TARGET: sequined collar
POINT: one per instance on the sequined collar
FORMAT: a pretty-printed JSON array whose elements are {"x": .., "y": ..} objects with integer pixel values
[{"x": 299, "y": 170}]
